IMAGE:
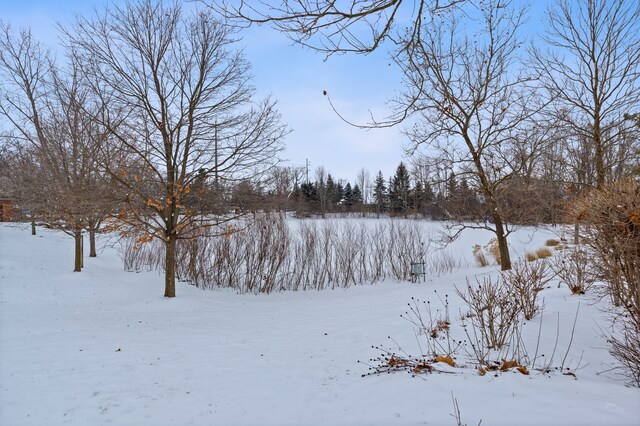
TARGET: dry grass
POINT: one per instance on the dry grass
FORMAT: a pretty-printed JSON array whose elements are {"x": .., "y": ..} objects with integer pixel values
[
  {"x": 543, "y": 253},
  {"x": 552, "y": 243},
  {"x": 494, "y": 250},
  {"x": 479, "y": 256},
  {"x": 531, "y": 257}
]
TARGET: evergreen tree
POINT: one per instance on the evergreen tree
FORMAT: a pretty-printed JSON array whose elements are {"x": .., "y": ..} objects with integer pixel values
[
  {"x": 462, "y": 201},
  {"x": 429, "y": 201},
  {"x": 338, "y": 195},
  {"x": 399, "y": 191},
  {"x": 357, "y": 194},
  {"x": 347, "y": 195},
  {"x": 470, "y": 202},
  {"x": 334, "y": 192},
  {"x": 380, "y": 193},
  {"x": 417, "y": 198},
  {"x": 310, "y": 191},
  {"x": 452, "y": 186}
]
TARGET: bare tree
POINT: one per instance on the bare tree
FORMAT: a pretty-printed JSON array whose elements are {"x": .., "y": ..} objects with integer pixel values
[
  {"x": 355, "y": 26},
  {"x": 56, "y": 139},
  {"x": 471, "y": 99},
  {"x": 283, "y": 181},
  {"x": 22, "y": 179},
  {"x": 363, "y": 179},
  {"x": 178, "y": 103},
  {"x": 590, "y": 71}
]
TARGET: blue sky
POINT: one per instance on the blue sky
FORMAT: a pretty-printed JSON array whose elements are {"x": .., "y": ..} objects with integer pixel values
[{"x": 296, "y": 77}]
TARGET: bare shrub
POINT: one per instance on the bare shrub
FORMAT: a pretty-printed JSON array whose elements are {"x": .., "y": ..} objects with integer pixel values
[
  {"x": 433, "y": 324},
  {"x": 264, "y": 250},
  {"x": 262, "y": 255},
  {"x": 493, "y": 308},
  {"x": 405, "y": 246},
  {"x": 138, "y": 256},
  {"x": 526, "y": 280},
  {"x": 573, "y": 268},
  {"x": 442, "y": 262},
  {"x": 377, "y": 259},
  {"x": 626, "y": 349},
  {"x": 439, "y": 348},
  {"x": 531, "y": 257},
  {"x": 611, "y": 218}
]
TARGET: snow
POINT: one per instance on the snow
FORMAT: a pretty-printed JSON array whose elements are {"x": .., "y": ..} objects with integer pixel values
[{"x": 104, "y": 347}]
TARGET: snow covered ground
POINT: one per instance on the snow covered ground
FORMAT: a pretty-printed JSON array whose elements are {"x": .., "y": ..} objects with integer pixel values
[{"x": 104, "y": 347}]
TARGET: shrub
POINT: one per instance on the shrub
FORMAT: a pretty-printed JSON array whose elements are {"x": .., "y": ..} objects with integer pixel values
[
  {"x": 442, "y": 262},
  {"x": 531, "y": 257},
  {"x": 573, "y": 268},
  {"x": 611, "y": 218},
  {"x": 434, "y": 325},
  {"x": 626, "y": 349},
  {"x": 264, "y": 254},
  {"x": 494, "y": 310},
  {"x": 527, "y": 279}
]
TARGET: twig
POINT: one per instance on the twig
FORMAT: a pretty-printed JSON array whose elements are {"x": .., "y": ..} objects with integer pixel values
[{"x": 575, "y": 320}]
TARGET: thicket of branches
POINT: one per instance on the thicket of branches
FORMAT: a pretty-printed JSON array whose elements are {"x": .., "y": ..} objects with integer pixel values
[
  {"x": 611, "y": 218},
  {"x": 270, "y": 255}
]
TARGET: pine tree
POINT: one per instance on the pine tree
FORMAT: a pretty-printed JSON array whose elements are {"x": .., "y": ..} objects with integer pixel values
[
  {"x": 331, "y": 189},
  {"x": 347, "y": 195},
  {"x": 310, "y": 191},
  {"x": 452, "y": 186},
  {"x": 357, "y": 194},
  {"x": 470, "y": 201},
  {"x": 380, "y": 193},
  {"x": 338, "y": 195},
  {"x": 399, "y": 191},
  {"x": 417, "y": 198}
]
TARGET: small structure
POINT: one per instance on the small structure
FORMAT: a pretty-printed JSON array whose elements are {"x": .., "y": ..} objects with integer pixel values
[
  {"x": 7, "y": 206},
  {"x": 418, "y": 269}
]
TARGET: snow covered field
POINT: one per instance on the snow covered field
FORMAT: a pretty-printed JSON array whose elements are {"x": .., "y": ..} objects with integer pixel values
[{"x": 104, "y": 347}]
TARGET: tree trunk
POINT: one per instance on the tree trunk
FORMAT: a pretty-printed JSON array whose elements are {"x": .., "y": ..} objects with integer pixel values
[
  {"x": 489, "y": 195},
  {"x": 576, "y": 233},
  {"x": 92, "y": 241},
  {"x": 170, "y": 268},
  {"x": 33, "y": 226},
  {"x": 597, "y": 142},
  {"x": 77, "y": 236},
  {"x": 503, "y": 247}
]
